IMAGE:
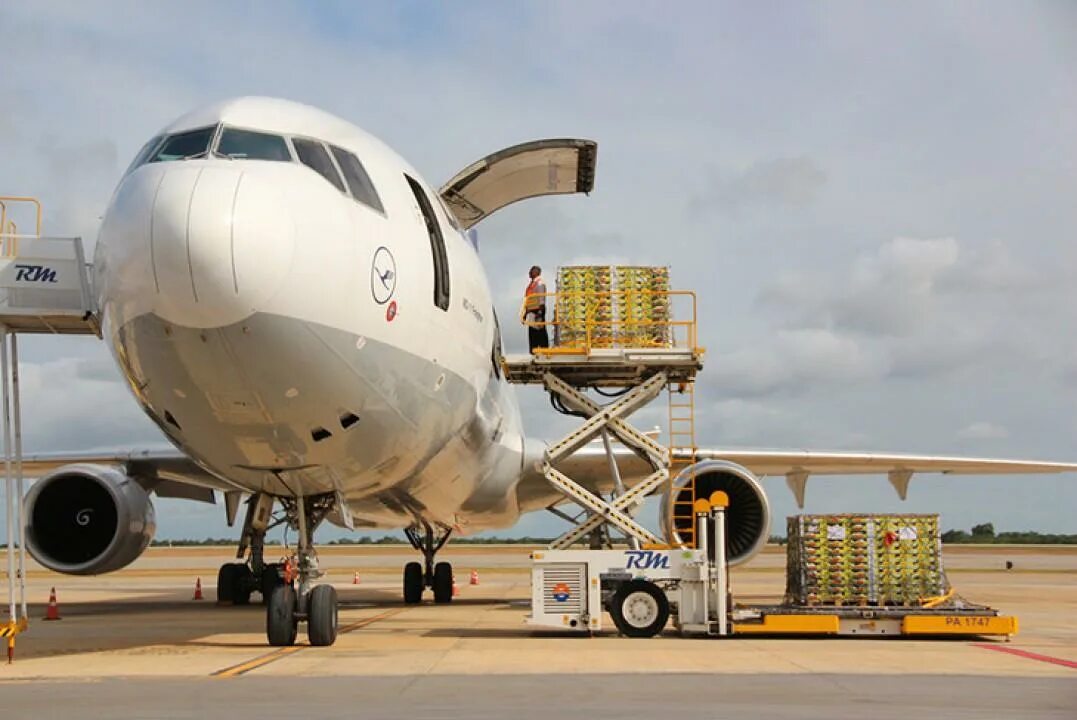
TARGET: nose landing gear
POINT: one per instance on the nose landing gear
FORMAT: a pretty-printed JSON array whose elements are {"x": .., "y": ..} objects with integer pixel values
[{"x": 298, "y": 599}]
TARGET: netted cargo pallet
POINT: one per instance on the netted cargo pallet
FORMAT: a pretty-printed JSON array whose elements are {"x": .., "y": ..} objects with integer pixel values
[
  {"x": 623, "y": 306},
  {"x": 642, "y": 306},
  {"x": 864, "y": 560},
  {"x": 584, "y": 306}
]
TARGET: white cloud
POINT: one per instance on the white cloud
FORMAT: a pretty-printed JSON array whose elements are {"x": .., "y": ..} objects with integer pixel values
[{"x": 983, "y": 430}]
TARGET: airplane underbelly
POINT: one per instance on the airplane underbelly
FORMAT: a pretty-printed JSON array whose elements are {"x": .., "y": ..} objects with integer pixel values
[{"x": 286, "y": 406}]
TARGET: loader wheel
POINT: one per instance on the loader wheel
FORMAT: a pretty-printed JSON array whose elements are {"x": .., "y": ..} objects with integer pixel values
[{"x": 639, "y": 609}]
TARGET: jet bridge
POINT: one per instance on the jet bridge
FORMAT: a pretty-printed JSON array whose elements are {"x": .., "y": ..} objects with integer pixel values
[
  {"x": 627, "y": 358},
  {"x": 45, "y": 288}
]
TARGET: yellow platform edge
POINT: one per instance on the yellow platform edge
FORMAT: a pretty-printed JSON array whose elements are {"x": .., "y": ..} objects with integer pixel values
[
  {"x": 910, "y": 625},
  {"x": 774, "y": 624},
  {"x": 958, "y": 625}
]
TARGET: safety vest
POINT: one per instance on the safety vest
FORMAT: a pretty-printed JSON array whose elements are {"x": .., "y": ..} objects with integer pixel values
[{"x": 534, "y": 299}]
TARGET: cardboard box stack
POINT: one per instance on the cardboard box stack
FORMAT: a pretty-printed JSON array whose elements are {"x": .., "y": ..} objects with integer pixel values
[
  {"x": 864, "y": 560},
  {"x": 627, "y": 306}
]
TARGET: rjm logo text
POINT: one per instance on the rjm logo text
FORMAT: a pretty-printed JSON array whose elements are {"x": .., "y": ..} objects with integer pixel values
[
  {"x": 34, "y": 273},
  {"x": 646, "y": 560}
]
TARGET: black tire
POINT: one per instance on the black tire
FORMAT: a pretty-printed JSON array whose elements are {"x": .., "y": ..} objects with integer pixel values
[
  {"x": 639, "y": 608},
  {"x": 226, "y": 584},
  {"x": 413, "y": 583},
  {"x": 443, "y": 583},
  {"x": 243, "y": 584},
  {"x": 322, "y": 616},
  {"x": 269, "y": 581},
  {"x": 281, "y": 623}
]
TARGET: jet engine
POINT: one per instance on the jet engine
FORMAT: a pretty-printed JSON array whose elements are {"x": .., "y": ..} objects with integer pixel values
[
  {"x": 88, "y": 519},
  {"x": 747, "y": 519}
]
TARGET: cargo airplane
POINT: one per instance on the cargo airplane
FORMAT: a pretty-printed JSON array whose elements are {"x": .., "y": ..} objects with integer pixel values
[{"x": 309, "y": 323}]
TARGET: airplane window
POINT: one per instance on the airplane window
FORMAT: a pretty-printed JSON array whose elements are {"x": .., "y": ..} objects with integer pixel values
[
  {"x": 249, "y": 145},
  {"x": 312, "y": 154},
  {"x": 185, "y": 145},
  {"x": 358, "y": 181}
]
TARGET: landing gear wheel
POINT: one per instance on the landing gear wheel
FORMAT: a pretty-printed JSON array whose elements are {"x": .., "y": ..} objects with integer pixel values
[
  {"x": 322, "y": 616},
  {"x": 270, "y": 580},
  {"x": 413, "y": 583},
  {"x": 639, "y": 609},
  {"x": 281, "y": 623},
  {"x": 226, "y": 582},
  {"x": 244, "y": 584},
  {"x": 443, "y": 583}
]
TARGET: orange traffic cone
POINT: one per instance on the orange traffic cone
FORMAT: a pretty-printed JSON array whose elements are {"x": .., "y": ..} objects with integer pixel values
[
  {"x": 197, "y": 589},
  {"x": 455, "y": 587},
  {"x": 474, "y": 577},
  {"x": 355, "y": 580},
  {"x": 53, "y": 611}
]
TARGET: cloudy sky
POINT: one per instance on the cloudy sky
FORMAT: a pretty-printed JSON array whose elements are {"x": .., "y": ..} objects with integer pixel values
[{"x": 875, "y": 204}]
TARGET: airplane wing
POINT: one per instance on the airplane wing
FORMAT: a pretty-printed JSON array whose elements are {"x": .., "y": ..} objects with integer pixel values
[
  {"x": 166, "y": 472},
  {"x": 590, "y": 467},
  {"x": 798, "y": 465}
]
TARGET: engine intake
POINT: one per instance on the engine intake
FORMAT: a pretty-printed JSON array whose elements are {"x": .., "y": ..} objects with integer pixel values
[
  {"x": 748, "y": 514},
  {"x": 88, "y": 519}
]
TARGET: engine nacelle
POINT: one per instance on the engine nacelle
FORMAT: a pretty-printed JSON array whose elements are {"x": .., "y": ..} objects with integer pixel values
[
  {"x": 747, "y": 517},
  {"x": 88, "y": 519}
]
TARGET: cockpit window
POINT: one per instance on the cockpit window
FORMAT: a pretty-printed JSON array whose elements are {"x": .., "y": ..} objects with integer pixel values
[
  {"x": 250, "y": 145},
  {"x": 358, "y": 181},
  {"x": 185, "y": 145},
  {"x": 313, "y": 154},
  {"x": 144, "y": 153}
]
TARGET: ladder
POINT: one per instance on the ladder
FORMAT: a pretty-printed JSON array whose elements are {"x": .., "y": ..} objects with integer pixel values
[{"x": 682, "y": 455}]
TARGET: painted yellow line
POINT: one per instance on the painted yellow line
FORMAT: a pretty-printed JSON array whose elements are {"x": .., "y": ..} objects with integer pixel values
[{"x": 263, "y": 660}]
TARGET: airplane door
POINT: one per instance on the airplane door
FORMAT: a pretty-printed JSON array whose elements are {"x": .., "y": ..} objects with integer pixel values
[
  {"x": 532, "y": 169},
  {"x": 437, "y": 245}
]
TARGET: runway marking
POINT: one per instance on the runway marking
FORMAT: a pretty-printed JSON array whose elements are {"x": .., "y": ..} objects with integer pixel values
[
  {"x": 1029, "y": 655},
  {"x": 262, "y": 660}
]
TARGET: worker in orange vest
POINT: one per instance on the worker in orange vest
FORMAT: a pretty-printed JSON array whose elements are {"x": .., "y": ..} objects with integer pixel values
[{"x": 535, "y": 310}]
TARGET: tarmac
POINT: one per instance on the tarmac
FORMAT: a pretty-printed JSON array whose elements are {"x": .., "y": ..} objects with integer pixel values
[{"x": 135, "y": 644}]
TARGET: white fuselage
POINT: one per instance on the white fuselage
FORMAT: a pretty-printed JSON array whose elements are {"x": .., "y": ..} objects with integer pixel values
[{"x": 285, "y": 334}]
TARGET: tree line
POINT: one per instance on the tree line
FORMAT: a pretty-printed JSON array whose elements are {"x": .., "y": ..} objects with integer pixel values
[{"x": 985, "y": 534}]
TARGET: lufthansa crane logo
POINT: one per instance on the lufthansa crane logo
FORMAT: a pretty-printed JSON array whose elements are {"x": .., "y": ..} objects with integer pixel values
[{"x": 383, "y": 276}]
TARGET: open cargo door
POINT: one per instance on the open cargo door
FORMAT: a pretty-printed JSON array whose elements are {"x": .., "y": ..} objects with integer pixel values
[{"x": 539, "y": 167}]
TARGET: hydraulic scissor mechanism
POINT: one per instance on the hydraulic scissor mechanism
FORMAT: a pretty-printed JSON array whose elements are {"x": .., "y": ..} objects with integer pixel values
[
  {"x": 603, "y": 420},
  {"x": 428, "y": 539}
]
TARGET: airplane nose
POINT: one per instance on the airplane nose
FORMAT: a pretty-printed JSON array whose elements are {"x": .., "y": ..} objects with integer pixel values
[{"x": 220, "y": 242}]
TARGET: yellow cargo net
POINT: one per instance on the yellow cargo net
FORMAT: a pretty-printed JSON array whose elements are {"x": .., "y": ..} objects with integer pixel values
[{"x": 579, "y": 321}]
